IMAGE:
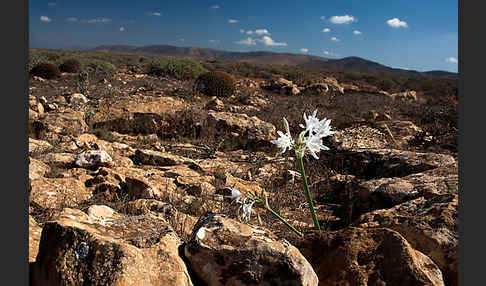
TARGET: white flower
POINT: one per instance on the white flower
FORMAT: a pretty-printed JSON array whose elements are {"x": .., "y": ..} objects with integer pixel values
[
  {"x": 285, "y": 140},
  {"x": 235, "y": 195},
  {"x": 314, "y": 145},
  {"x": 309, "y": 139},
  {"x": 247, "y": 210}
]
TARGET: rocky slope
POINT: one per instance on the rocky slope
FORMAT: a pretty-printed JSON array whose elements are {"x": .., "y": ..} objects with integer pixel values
[{"x": 131, "y": 187}]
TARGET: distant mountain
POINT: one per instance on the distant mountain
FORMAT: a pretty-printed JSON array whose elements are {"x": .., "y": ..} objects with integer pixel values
[{"x": 349, "y": 64}]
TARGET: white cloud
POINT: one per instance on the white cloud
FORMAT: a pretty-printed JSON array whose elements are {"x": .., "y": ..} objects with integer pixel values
[
  {"x": 248, "y": 41},
  {"x": 326, "y": 30},
  {"x": 346, "y": 19},
  {"x": 242, "y": 31},
  {"x": 304, "y": 50},
  {"x": 181, "y": 40},
  {"x": 452, "y": 60},
  {"x": 356, "y": 32},
  {"x": 334, "y": 39},
  {"x": 72, "y": 19},
  {"x": 322, "y": 18},
  {"x": 51, "y": 4},
  {"x": 328, "y": 53},
  {"x": 232, "y": 21},
  {"x": 122, "y": 29},
  {"x": 267, "y": 41},
  {"x": 259, "y": 32},
  {"x": 396, "y": 23},
  {"x": 45, "y": 19},
  {"x": 158, "y": 14},
  {"x": 214, "y": 41},
  {"x": 215, "y": 7},
  {"x": 98, "y": 20}
]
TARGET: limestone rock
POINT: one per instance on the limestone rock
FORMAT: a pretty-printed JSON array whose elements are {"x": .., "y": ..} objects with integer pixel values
[
  {"x": 429, "y": 225},
  {"x": 223, "y": 251},
  {"x": 136, "y": 250},
  {"x": 238, "y": 130},
  {"x": 93, "y": 159},
  {"x": 368, "y": 256},
  {"x": 77, "y": 98},
  {"x": 34, "y": 238}
]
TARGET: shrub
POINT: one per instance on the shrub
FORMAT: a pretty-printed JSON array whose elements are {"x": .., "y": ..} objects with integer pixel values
[
  {"x": 70, "y": 66},
  {"x": 100, "y": 66},
  {"x": 46, "y": 70},
  {"x": 182, "y": 69},
  {"x": 220, "y": 84}
]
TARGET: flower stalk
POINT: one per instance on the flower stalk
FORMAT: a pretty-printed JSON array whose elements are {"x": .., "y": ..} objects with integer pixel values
[
  {"x": 308, "y": 194},
  {"x": 308, "y": 141}
]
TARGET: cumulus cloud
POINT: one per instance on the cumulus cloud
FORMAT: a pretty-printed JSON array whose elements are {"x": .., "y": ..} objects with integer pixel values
[
  {"x": 328, "y": 53},
  {"x": 304, "y": 50},
  {"x": 232, "y": 21},
  {"x": 45, "y": 19},
  {"x": 396, "y": 23},
  {"x": 242, "y": 31},
  {"x": 248, "y": 41},
  {"x": 215, "y": 7},
  {"x": 158, "y": 14},
  {"x": 51, "y": 4},
  {"x": 322, "y": 18},
  {"x": 334, "y": 39},
  {"x": 452, "y": 60},
  {"x": 356, "y": 32},
  {"x": 267, "y": 41},
  {"x": 346, "y": 19},
  {"x": 326, "y": 30},
  {"x": 258, "y": 32},
  {"x": 72, "y": 19},
  {"x": 122, "y": 29},
  {"x": 97, "y": 20}
]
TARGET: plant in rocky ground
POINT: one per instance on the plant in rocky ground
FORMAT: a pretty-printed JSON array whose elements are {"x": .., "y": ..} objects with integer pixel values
[
  {"x": 46, "y": 70},
  {"x": 83, "y": 82},
  {"x": 251, "y": 199},
  {"x": 181, "y": 69},
  {"x": 70, "y": 66},
  {"x": 220, "y": 84},
  {"x": 309, "y": 140}
]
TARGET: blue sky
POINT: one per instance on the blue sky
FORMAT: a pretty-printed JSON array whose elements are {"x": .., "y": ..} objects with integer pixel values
[{"x": 418, "y": 35}]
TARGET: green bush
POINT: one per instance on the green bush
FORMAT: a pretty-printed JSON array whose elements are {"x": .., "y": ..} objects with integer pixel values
[
  {"x": 70, "y": 66},
  {"x": 217, "y": 83},
  {"x": 182, "y": 69},
  {"x": 99, "y": 66},
  {"x": 46, "y": 70}
]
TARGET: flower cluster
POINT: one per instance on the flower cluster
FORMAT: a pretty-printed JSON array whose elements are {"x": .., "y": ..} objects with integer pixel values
[{"x": 309, "y": 140}]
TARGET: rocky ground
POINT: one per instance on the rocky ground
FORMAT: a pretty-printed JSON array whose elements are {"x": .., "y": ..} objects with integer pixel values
[{"x": 129, "y": 185}]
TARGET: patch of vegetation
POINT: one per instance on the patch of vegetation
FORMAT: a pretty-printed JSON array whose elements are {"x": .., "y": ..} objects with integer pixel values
[
  {"x": 46, "y": 70},
  {"x": 220, "y": 84},
  {"x": 70, "y": 66},
  {"x": 181, "y": 69}
]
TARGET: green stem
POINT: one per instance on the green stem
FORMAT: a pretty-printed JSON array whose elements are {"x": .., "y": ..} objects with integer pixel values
[
  {"x": 307, "y": 193},
  {"x": 284, "y": 221}
]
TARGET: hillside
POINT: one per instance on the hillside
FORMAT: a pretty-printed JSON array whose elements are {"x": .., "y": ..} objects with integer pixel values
[{"x": 348, "y": 64}]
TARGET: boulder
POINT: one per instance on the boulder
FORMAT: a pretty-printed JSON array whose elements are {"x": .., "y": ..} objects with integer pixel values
[
  {"x": 368, "y": 256},
  {"x": 58, "y": 192},
  {"x": 37, "y": 169},
  {"x": 34, "y": 238},
  {"x": 93, "y": 159},
  {"x": 238, "y": 131},
  {"x": 77, "y": 98},
  {"x": 223, "y": 251},
  {"x": 52, "y": 126},
  {"x": 430, "y": 225},
  {"x": 76, "y": 249},
  {"x": 215, "y": 104}
]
